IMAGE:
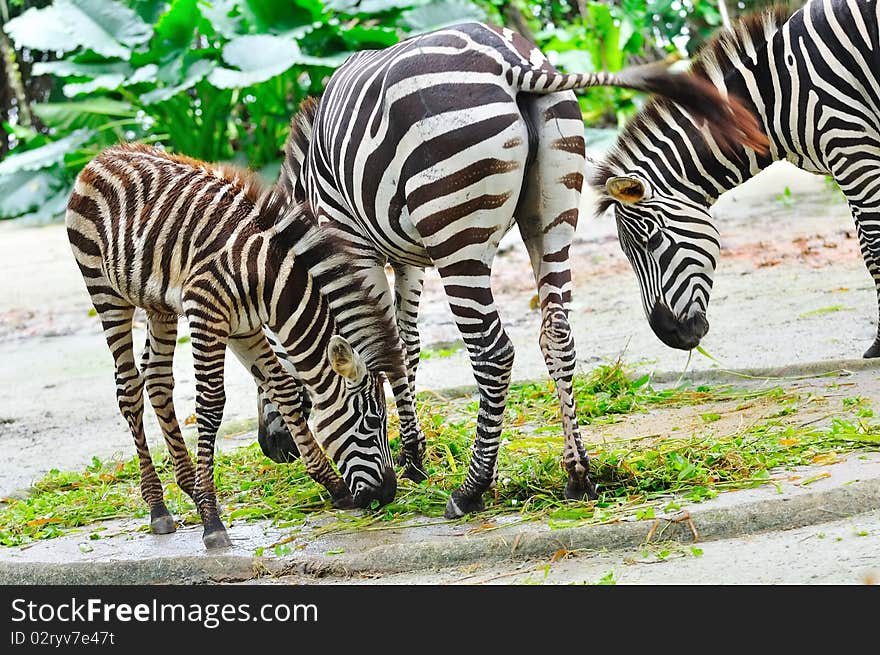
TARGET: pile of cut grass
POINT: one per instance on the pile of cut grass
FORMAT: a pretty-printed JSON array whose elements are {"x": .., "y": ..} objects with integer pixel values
[{"x": 634, "y": 476}]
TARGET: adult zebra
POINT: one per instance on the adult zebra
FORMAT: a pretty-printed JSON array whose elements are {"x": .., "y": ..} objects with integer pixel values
[
  {"x": 812, "y": 79},
  {"x": 176, "y": 236},
  {"x": 425, "y": 154}
]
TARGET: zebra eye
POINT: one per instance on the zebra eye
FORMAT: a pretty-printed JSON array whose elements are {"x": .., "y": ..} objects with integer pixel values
[{"x": 655, "y": 240}]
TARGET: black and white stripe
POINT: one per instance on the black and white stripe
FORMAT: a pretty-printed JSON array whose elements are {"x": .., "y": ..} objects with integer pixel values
[
  {"x": 812, "y": 79},
  {"x": 179, "y": 237},
  {"x": 425, "y": 154}
]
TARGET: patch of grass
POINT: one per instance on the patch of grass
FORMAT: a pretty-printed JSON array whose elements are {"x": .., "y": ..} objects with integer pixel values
[
  {"x": 634, "y": 476},
  {"x": 609, "y": 391},
  {"x": 442, "y": 350}
]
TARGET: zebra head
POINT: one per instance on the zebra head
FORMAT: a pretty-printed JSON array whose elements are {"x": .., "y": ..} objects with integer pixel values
[
  {"x": 673, "y": 246},
  {"x": 354, "y": 430}
]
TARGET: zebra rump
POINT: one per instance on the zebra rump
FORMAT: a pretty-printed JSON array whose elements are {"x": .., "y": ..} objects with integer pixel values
[{"x": 425, "y": 154}]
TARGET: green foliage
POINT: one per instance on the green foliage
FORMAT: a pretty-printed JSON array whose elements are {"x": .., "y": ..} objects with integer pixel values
[
  {"x": 636, "y": 478},
  {"x": 220, "y": 79},
  {"x": 217, "y": 80}
]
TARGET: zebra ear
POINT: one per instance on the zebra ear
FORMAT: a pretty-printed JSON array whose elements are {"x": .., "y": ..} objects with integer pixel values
[
  {"x": 344, "y": 360},
  {"x": 625, "y": 189}
]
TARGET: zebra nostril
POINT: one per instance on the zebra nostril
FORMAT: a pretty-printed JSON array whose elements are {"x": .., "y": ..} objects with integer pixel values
[
  {"x": 383, "y": 493},
  {"x": 699, "y": 326}
]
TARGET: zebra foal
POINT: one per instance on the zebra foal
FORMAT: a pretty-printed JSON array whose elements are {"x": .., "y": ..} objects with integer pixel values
[
  {"x": 812, "y": 80},
  {"x": 425, "y": 154},
  {"x": 179, "y": 237}
]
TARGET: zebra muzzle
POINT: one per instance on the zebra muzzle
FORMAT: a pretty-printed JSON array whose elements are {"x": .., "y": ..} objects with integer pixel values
[
  {"x": 384, "y": 493},
  {"x": 677, "y": 333}
]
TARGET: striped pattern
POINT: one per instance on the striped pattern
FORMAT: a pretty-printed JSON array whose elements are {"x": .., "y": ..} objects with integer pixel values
[
  {"x": 812, "y": 79},
  {"x": 178, "y": 237},
  {"x": 425, "y": 154}
]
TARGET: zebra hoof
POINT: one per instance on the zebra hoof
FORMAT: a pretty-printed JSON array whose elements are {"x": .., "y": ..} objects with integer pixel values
[
  {"x": 216, "y": 538},
  {"x": 459, "y": 505},
  {"x": 161, "y": 521},
  {"x": 873, "y": 351},
  {"x": 580, "y": 487},
  {"x": 162, "y": 525}
]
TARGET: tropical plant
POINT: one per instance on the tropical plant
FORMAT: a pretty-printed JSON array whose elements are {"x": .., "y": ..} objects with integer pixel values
[
  {"x": 219, "y": 79},
  {"x": 215, "y": 79}
]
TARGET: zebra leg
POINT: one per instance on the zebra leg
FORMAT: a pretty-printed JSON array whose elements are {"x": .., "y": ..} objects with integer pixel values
[
  {"x": 412, "y": 439},
  {"x": 209, "y": 350},
  {"x": 116, "y": 318},
  {"x": 547, "y": 218},
  {"x": 254, "y": 351},
  {"x": 408, "y": 282},
  {"x": 491, "y": 354},
  {"x": 158, "y": 371},
  {"x": 275, "y": 439},
  {"x": 869, "y": 242}
]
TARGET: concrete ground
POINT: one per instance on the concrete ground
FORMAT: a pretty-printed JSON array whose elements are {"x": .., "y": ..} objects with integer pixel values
[{"x": 792, "y": 297}]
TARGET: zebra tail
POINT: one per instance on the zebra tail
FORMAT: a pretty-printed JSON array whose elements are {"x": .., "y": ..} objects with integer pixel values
[{"x": 727, "y": 117}]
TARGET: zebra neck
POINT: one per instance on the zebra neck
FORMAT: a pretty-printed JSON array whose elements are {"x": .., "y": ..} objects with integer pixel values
[{"x": 302, "y": 319}]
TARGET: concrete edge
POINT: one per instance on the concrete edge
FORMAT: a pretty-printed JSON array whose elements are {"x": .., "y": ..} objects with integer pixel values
[
  {"x": 695, "y": 524},
  {"x": 771, "y": 373},
  {"x": 789, "y": 373}
]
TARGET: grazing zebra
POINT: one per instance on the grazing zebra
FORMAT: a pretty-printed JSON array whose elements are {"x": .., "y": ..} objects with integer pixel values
[
  {"x": 176, "y": 236},
  {"x": 425, "y": 154},
  {"x": 812, "y": 79}
]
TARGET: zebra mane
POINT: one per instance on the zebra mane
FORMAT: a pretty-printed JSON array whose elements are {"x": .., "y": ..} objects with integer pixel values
[
  {"x": 356, "y": 308},
  {"x": 718, "y": 55},
  {"x": 751, "y": 31},
  {"x": 295, "y": 149},
  {"x": 245, "y": 180}
]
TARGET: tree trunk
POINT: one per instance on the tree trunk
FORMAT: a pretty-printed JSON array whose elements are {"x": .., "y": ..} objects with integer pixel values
[{"x": 13, "y": 75}]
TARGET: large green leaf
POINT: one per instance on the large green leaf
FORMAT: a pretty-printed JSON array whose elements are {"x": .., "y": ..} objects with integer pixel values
[
  {"x": 67, "y": 116},
  {"x": 65, "y": 68},
  {"x": 42, "y": 29},
  {"x": 194, "y": 74},
  {"x": 261, "y": 57},
  {"x": 359, "y": 37},
  {"x": 149, "y": 10},
  {"x": 177, "y": 25},
  {"x": 24, "y": 191},
  {"x": 440, "y": 13},
  {"x": 109, "y": 76},
  {"x": 371, "y": 6},
  {"x": 108, "y": 28},
  {"x": 266, "y": 16},
  {"x": 51, "y": 209},
  {"x": 46, "y": 156},
  {"x": 219, "y": 13},
  {"x": 102, "y": 82}
]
